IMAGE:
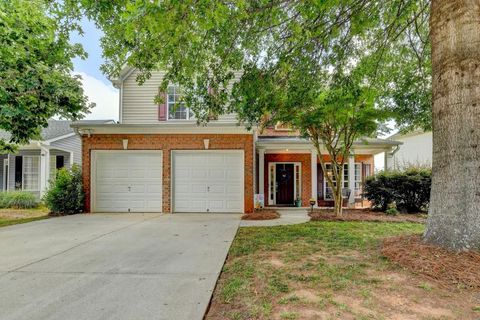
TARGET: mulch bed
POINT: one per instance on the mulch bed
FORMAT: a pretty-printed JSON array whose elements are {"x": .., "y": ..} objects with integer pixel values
[
  {"x": 364, "y": 215},
  {"x": 444, "y": 266},
  {"x": 262, "y": 214}
]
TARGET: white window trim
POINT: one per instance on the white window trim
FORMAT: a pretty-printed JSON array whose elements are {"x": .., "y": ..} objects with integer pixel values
[
  {"x": 23, "y": 174},
  {"x": 189, "y": 118},
  {"x": 272, "y": 198},
  {"x": 325, "y": 183},
  {"x": 53, "y": 169},
  {"x": 279, "y": 127}
]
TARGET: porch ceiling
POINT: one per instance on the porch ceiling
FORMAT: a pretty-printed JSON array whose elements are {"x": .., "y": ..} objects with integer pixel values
[{"x": 302, "y": 145}]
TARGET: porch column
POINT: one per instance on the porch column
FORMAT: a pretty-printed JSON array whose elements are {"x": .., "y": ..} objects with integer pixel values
[
  {"x": 313, "y": 163},
  {"x": 351, "y": 179},
  {"x": 261, "y": 172},
  {"x": 44, "y": 169}
]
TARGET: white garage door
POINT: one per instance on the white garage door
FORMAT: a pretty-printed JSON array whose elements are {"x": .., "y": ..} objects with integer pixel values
[
  {"x": 126, "y": 181},
  {"x": 208, "y": 181}
]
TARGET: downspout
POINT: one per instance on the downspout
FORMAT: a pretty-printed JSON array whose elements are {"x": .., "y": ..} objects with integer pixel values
[
  {"x": 396, "y": 150},
  {"x": 391, "y": 154}
]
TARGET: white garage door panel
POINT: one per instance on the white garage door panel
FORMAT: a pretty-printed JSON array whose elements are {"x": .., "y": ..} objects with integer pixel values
[
  {"x": 208, "y": 181},
  {"x": 127, "y": 181}
]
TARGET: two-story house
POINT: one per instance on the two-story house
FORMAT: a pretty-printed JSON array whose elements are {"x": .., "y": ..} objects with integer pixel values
[{"x": 157, "y": 159}]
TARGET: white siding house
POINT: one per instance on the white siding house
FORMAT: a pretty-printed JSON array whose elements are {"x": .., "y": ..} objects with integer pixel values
[
  {"x": 416, "y": 150},
  {"x": 35, "y": 164}
]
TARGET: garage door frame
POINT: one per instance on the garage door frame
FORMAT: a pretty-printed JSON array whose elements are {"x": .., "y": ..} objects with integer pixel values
[
  {"x": 93, "y": 175},
  {"x": 172, "y": 169}
]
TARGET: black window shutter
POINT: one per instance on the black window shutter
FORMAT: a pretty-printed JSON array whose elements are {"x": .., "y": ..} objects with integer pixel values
[
  {"x": 18, "y": 172},
  {"x": 319, "y": 182},
  {"x": 60, "y": 162}
]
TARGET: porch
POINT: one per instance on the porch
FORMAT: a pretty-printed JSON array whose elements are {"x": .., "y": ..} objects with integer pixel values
[
  {"x": 31, "y": 169},
  {"x": 289, "y": 172}
]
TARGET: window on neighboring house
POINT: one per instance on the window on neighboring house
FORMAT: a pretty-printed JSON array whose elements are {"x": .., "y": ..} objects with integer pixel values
[
  {"x": 177, "y": 110},
  {"x": 56, "y": 162},
  {"x": 31, "y": 173},
  {"x": 358, "y": 180},
  {"x": 18, "y": 172}
]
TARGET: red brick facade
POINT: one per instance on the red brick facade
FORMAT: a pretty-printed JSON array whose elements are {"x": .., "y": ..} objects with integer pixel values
[
  {"x": 306, "y": 173},
  {"x": 305, "y": 160},
  {"x": 168, "y": 142}
]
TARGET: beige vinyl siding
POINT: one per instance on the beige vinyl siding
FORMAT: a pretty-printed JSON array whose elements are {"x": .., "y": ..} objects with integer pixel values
[{"x": 138, "y": 104}]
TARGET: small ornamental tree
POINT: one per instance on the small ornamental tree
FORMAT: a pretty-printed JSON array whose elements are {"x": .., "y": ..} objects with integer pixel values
[{"x": 331, "y": 110}]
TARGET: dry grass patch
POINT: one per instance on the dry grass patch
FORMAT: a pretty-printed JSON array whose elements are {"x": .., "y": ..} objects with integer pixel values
[
  {"x": 330, "y": 270},
  {"x": 15, "y": 216}
]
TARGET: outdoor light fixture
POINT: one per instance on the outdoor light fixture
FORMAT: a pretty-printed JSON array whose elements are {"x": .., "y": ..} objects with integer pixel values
[
  {"x": 125, "y": 144},
  {"x": 312, "y": 203},
  {"x": 206, "y": 143}
]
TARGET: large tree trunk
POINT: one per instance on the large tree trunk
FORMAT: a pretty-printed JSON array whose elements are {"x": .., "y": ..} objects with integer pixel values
[{"x": 454, "y": 217}]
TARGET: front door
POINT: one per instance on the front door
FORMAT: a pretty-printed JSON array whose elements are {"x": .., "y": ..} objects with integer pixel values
[{"x": 285, "y": 182}]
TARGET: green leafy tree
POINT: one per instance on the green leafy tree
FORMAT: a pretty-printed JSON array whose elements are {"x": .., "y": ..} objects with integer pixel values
[
  {"x": 35, "y": 71},
  {"x": 295, "y": 63},
  {"x": 200, "y": 43}
]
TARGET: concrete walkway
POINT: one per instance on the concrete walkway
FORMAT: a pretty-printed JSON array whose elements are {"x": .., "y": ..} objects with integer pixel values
[
  {"x": 124, "y": 266},
  {"x": 287, "y": 216}
]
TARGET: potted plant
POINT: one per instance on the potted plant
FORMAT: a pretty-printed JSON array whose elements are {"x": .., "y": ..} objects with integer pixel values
[{"x": 298, "y": 202}]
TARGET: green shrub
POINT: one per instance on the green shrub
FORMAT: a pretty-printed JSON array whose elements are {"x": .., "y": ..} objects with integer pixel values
[
  {"x": 18, "y": 200},
  {"x": 409, "y": 189},
  {"x": 65, "y": 194},
  {"x": 391, "y": 211}
]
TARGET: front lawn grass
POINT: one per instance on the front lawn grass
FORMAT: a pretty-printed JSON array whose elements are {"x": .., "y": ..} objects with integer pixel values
[
  {"x": 329, "y": 270},
  {"x": 15, "y": 216}
]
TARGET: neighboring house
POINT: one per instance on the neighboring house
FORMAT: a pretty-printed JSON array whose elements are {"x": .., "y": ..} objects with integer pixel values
[
  {"x": 158, "y": 159},
  {"x": 35, "y": 163},
  {"x": 416, "y": 150}
]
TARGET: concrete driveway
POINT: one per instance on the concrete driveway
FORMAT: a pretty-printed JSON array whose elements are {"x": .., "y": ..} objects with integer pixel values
[{"x": 123, "y": 266}]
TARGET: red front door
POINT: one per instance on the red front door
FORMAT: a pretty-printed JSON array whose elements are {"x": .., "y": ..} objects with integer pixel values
[{"x": 285, "y": 180}]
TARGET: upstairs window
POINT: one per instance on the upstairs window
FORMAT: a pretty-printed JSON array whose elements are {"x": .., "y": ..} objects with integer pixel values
[
  {"x": 177, "y": 110},
  {"x": 280, "y": 126}
]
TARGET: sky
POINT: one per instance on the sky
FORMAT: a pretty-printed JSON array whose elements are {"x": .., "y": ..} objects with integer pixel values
[{"x": 95, "y": 84}]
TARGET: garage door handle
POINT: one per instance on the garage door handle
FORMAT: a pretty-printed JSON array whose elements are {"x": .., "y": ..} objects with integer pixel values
[
  {"x": 129, "y": 188},
  {"x": 208, "y": 189}
]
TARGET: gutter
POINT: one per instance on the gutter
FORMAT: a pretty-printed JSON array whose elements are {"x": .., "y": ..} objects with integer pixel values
[{"x": 395, "y": 151}]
